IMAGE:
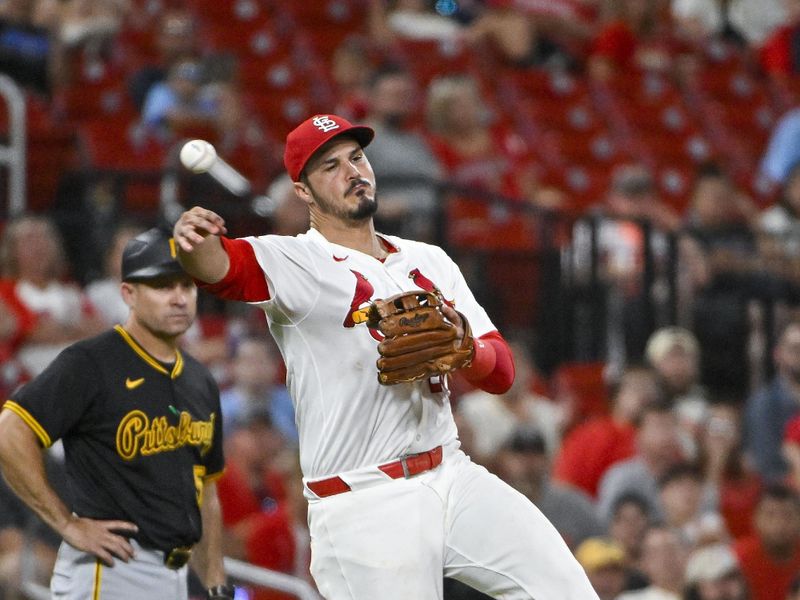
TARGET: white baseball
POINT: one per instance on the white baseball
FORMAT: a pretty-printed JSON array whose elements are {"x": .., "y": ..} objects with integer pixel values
[{"x": 198, "y": 156}]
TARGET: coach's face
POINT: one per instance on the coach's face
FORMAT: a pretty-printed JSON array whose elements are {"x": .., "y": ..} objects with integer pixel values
[
  {"x": 165, "y": 306},
  {"x": 340, "y": 182}
]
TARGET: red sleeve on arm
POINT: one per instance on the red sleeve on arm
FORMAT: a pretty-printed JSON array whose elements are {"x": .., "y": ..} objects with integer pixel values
[
  {"x": 492, "y": 368},
  {"x": 244, "y": 281}
]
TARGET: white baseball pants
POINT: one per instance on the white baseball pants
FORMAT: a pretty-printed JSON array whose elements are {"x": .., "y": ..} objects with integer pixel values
[
  {"x": 396, "y": 539},
  {"x": 78, "y": 575}
]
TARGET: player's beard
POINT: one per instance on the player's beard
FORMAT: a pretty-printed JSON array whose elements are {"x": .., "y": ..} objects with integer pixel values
[{"x": 367, "y": 206}]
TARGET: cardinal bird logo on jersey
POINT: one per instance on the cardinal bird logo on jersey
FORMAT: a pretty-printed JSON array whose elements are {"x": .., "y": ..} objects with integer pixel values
[
  {"x": 359, "y": 306},
  {"x": 426, "y": 284}
]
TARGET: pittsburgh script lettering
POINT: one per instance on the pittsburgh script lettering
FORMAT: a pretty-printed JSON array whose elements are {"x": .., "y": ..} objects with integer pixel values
[{"x": 136, "y": 434}]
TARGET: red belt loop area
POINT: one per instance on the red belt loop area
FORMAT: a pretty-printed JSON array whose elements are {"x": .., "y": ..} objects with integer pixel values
[{"x": 408, "y": 466}]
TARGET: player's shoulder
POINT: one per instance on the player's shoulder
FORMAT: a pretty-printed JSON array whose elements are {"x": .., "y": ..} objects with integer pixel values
[
  {"x": 302, "y": 243},
  {"x": 101, "y": 344},
  {"x": 195, "y": 369},
  {"x": 415, "y": 246}
]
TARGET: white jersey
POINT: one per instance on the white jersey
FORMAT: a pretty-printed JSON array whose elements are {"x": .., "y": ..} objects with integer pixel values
[{"x": 318, "y": 295}]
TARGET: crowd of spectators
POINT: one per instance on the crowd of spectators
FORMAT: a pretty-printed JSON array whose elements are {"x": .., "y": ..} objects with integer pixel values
[{"x": 685, "y": 484}]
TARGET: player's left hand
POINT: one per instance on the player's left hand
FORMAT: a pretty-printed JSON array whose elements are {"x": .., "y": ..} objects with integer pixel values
[
  {"x": 422, "y": 337},
  {"x": 104, "y": 539}
]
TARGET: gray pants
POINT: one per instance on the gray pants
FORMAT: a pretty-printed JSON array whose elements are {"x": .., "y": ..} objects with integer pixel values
[{"x": 80, "y": 576}]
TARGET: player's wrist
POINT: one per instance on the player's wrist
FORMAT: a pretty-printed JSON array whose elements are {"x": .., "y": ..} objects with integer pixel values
[{"x": 221, "y": 592}]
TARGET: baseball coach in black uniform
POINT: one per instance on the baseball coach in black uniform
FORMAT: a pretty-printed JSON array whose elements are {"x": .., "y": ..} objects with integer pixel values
[{"x": 140, "y": 424}]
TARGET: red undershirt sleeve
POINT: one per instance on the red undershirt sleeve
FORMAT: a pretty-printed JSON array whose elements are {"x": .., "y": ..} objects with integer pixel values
[
  {"x": 492, "y": 368},
  {"x": 244, "y": 281}
]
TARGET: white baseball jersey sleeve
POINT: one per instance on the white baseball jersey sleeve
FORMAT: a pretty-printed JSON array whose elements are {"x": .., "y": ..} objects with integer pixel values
[{"x": 319, "y": 292}]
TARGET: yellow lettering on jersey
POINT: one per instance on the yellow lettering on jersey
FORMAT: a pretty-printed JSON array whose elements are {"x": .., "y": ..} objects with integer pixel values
[
  {"x": 138, "y": 435},
  {"x": 199, "y": 482}
]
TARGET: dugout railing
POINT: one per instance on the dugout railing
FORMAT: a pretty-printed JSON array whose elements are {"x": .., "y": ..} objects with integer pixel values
[{"x": 241, "y": 573}]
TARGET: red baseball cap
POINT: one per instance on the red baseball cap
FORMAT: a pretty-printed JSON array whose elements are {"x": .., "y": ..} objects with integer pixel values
[{"x": 308, "y": 137}]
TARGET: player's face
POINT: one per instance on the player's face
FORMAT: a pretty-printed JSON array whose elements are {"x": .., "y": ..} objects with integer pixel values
[
  {"x": 166, "y": 306},
  {"x": 341, "y": 182}
]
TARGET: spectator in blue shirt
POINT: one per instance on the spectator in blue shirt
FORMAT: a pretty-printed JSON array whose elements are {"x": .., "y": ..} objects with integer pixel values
[
  {"x": 771, "y": 407},
  {"x": 783, "y": 149}
]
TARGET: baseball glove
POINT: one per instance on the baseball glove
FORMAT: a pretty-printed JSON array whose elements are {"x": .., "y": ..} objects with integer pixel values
[{"x": 419, "y": 342}]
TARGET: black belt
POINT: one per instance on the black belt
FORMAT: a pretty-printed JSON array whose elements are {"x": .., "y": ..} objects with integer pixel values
[{"x": 177, "y": 557}]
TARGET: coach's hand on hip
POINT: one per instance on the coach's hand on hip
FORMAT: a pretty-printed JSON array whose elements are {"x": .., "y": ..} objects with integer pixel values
[{"x": 101, "y": 538}]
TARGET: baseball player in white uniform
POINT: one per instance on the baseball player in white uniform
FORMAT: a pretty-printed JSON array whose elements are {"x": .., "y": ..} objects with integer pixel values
[{"x": 394, "y": 504}]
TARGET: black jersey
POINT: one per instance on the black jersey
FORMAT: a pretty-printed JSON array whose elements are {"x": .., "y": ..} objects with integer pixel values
[{"x": 140, "y": 436}]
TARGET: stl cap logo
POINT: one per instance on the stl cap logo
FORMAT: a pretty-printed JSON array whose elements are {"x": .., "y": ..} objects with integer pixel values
[{"x": 324, "y": 123}]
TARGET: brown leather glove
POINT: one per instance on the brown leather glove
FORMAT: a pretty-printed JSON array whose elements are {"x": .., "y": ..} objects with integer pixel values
[{"x": 419, "y": 341}]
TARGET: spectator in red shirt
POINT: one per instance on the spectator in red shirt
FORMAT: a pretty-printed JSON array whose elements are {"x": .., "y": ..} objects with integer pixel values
[
  {"x": 630, "y": 38},
  {"x": 779, "y": 55},
  {"x": 738, "y": 485},
  {"x": 481, "y": 154},
  {"x": 591, "y": 448},
  {"x": 257, "y": 515},
  {"x": 770, "y": 559}
]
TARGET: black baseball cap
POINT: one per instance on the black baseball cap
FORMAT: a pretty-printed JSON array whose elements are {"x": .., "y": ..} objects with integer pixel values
[{"x": 150, "y": 255}]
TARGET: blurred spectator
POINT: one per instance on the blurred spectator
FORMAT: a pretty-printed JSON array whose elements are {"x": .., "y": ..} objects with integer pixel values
[
  {"x": 288, "y": 214},
  {"x": 657, "y": 449},
  {"x": 770, "y": 559},
  {"x": 769, "y": 409},
  {"x": 724, "y": 466},
  {"x": 664, "y": 563},
  {"x": 791, "y": 452},
  {"x": 256, "y": 513},
  {"x": 604, "y": 563},
  {"x": 182, "y": 102},
  {"x": 351, "y": 70},
  {"x": 712, "y": 573},
  {"x": 31, "y": 254},
  {"x": 481, "y": 155},
  {"x": 254, "y": 369},
  {"x": 30, "y": 50},
  {"x": 632, "y": 36},
  {"x": 778, "y": 54},
  {"x": 497, "y": 416},
  {"x": 176, "y": 40},
  {"x": 409, "y": 19},
  {"x": 16, "y": 323},
  {"x": 782, "y": 153},
  {"x": 781, "y": 223},
  {"x": 630, "y": 518},
  {"x": 738, "y": 21},
  {"x": 510, "y": 32},
  {"x": 630, "y": 216},
  {"x": 719, "y": 221},
  {"x": 681, "y": 496},
  {"x": 794, "y": 590},
  {"x": 90, "y": 24},
  {"x": 674, "y": 353},
  {"x": 522, "y": 462},
  {"x": 401, "y": 158},
  {"x": 104, "y": 293},
  {"x": 591, "y": 448}
]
